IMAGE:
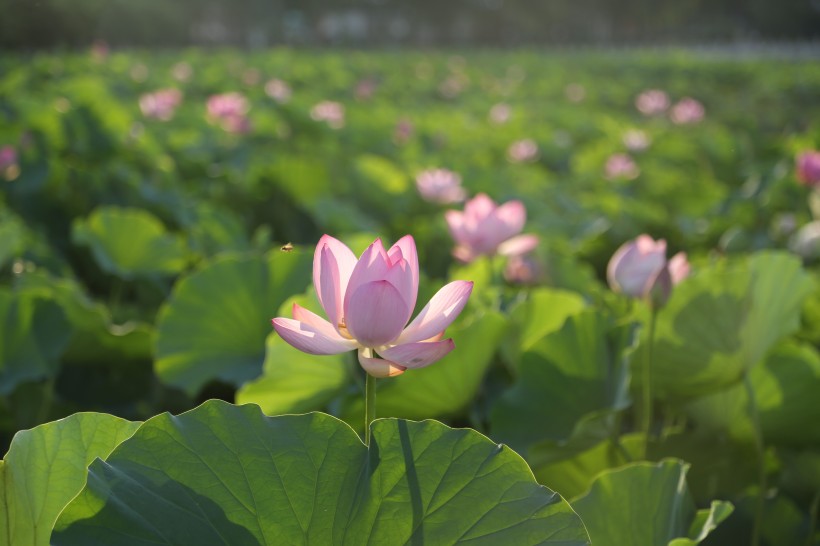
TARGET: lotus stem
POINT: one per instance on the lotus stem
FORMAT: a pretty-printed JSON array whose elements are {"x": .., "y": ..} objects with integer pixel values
[
  {"x": 646, "y": 409},
  {"x": 761, "y": 454},
  {"x": 369, "y": 406}
]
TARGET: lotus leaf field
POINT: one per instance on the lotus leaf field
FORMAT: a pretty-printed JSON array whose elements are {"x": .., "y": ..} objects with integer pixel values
[{"x": 158, "y": 210}]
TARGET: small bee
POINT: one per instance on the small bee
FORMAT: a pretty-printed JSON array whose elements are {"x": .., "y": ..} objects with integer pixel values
[{"x": 288, "y": 247}]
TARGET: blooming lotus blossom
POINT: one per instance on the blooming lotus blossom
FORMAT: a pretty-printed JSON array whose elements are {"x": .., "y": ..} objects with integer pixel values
[
  {"x": 484, "y": 228},
  {"x": 522, "y": 151},
  {"x": 331, "y": 112},
  {"x": 160, "y": 104},
  {"x": 640, "y": 269},
  {"x": 621, "y": 167},
  {"x": 687, "y": 111},
  {"x": 440, "y": 186},
  {"x": 369, "y": 301},
  {"x": 278, "y": 90},
  {"x": 230, "y": 109},
  {"x": 636, "y": 140},
  {"x": 807, "y": 167},
  {"x": 652, "y": 102}
]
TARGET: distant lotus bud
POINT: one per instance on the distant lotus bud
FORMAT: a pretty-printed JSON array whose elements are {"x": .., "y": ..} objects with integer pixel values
[
  {"x": 278, "y": 90},
  {"x": 500, "y": 113},
  {"x": 806, "y": 241},
  {"x": 807, "y": 168},
  {"x": 9, "y": 163},
  {"x": 161, "y": 104},
  {"x": 687, "y": 111},
  {"x": 621, "y": 167},
  {"x": 525, "y": 270},
  {"x": 640, "y": 269},
  {"x": 330, "y": 112},
  {"x": 652, "y": 102},
  {"x": 522, "y": 151},
  {"x": 440, "y": 186},
  {"x": 575, "y": 92},
  {"x": 182, "y": 71},
  {"x": 403, "y": 131}
]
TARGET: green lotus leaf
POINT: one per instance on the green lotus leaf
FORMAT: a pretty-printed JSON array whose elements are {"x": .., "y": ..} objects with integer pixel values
[
  {"x": 130, "y": 243},
  {"x": 45, "y": 468},
  {"x": 446, "y": 387},
  {"x": 647, "y": 503},
  {"x": 722, "y": 321},
  {"x": 577, "y": 370},
  {"x": 34, "y": 332},
  {"x": 222, "y": 474},
  {"x": 215, "y": 324}
]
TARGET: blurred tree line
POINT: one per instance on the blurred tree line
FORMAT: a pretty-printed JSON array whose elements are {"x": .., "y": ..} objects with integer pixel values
[{"x": 27, "y": 24}]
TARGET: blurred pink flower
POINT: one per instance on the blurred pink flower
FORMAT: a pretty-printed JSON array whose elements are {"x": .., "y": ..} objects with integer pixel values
[
  {"x": 652, "y": 102},
  {"x": 160, "y": 104},
  {"x": 636, "y": 140},
  {"x": 522, "y": 151},
  {"x": 278, "y": 90},
  {"x": 575, "y": 92},
  {"x": 369, "y": 301},
  {"x": 485, "y": 228},
  {"x": 686, "y": 111},
  {"x": 331, "y": 112},
  {"x": 639, "y": 269},
  {"x": 500, "y": 113},
  {"x": 403, "y": 131},
  {"x": 9, "y": 163},
  {"x": 440, "y": 186},
  {"x": 807, "y": 168},
  {"x": 621, "y": 167},
  {"x": 523, "y": 270},
  {"x": 365, "y": 89},
  {"x": 230, "y": 111},
  {"x": 227, "y": 105}
]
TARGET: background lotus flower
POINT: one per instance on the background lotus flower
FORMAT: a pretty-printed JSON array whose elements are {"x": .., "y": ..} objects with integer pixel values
[
  {"x": 522, "y": 151},
  {"x": 807, "y": 165},
  {"x": 636, "y": 140},
  {"x": 440, "y": 186},
  {"x": 621, "y": 166},
  {"x": 652, "y": 102},
  {"x": 485, "y": 228},
  {"x": 403, "y": 131},
  {"x": 525, "y": 270},
  {"x": 230, "y": 110},
  {"x": 160, "y": 104},
  {"x": 640, "y": 269},
  {"x": 369, "y": 302},
  {"x": 575, "y": 92},
  {"x": 278, "y": 90},
  {"x": 9, "y": 167},
  {"x": 332, "y": 113},
  {"x": 686, "y": 111},
  {"x": 500, "y": 113}
]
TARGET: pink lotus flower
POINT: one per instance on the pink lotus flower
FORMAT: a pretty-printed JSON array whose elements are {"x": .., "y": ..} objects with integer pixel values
[
  {"x": 523, "y": 270},
  {"x": 9, "y": 166},
  {"x": 369, "y": 301},
  {"x": 621, "y": 167},
  {"x": 440, "y": 186},
  {"x": 160, "y": 104},
  {"x": 182, "y": 71},
  {"x": 522, "y": 151},
  {"x": 332, "y": 113},
  {"x": 403, "y": 131},
  {"x": 640, "y": 269},
  {"x": 807, "y": 165},
  {"x": 652, "y": 102},
  {"x": 230, "y": 109},
  {"x": 485, "y": 228},
  {"x": 365, "y": 89},
  {"x": 278, "y": 90},
  {"x": 686, "y": 111},
  {"x": 575, "y": 92}
]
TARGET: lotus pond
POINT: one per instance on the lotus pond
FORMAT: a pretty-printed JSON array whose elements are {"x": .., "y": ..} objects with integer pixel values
[{"x": 620, "y": 246}]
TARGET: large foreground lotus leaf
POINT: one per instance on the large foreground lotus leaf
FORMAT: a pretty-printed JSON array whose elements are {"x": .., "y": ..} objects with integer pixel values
[
  {"x": 722, "y": 321},
  {"x": 215, "y": 324},
  {"x": 45, "y": 468},
  {"x": 223, "y": 474},
  {"x": 130, "y": 243},
  {"x": 34, "y": 333},
  {"x": 785, "y": 388},
  {"x": 647, "y": 503},
  {"x": 446, "y": 387},
  {"x": 568, "y": 374}
]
